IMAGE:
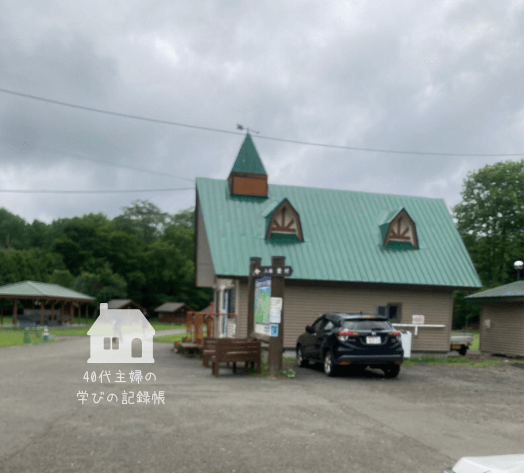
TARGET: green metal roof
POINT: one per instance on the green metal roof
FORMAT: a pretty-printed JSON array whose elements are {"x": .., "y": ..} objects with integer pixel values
[
  {"x": 342, "y": 237},
  {"x": 511, "y": 291},
  {"x": 38, "y": 289},
  {"x": 248, "y": 160}
]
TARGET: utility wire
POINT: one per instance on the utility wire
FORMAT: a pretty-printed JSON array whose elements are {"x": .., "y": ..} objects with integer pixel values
[
  {"x": 323, "y": 145},
  {"x": 116, "y": 114},
  {"x": 24, "y": 191},
  {"x": 77, "y": 155}
]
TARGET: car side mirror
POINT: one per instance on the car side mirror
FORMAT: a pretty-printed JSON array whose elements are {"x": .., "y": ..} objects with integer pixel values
[{"x": 309, "y": 329}]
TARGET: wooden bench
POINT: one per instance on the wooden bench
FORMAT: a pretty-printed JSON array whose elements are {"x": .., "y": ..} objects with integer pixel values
[
  {"x": 209, "y": 348},
  {"x": 233, "y": 350}
]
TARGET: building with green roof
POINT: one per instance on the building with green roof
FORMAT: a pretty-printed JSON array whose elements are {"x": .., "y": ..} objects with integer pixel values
[
  {"x": 350, "y": 251},
  {"x": 501, "y": 328},
  {"x": 45, "y": 295}
]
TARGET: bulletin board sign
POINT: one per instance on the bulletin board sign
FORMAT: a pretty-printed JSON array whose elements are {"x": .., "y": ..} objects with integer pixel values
[{"x": 262, "y": 305}]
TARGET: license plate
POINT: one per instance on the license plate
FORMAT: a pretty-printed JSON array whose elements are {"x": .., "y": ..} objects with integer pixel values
[{"x": 373, "y": 340}]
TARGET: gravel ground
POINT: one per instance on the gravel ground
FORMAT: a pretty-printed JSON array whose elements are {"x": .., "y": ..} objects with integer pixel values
[{"x": 424, "y": 421}]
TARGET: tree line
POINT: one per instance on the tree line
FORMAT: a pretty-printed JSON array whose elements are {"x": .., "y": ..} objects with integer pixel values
[
  {"x": 148, "y": 255},
  {"x": 143, "y": 254}
]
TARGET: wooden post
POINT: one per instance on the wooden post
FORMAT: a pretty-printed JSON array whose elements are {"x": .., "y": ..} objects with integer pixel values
[
  {"x": 253, "y": 264},
  {"x": 276, "y": 344},
  {"x": 52, "y": 321},
  {"x": 71, "y": 313},
  {"x": 87, "y": 310},
  {"x": 210, "y": 328},
  {"x": 199, "y": 325},
  {"x": 42, "y": 306},
  {"x": 2, "y": 311},
  {"x": 15, "y": 313},
  {"x": 189, "y": 325}
]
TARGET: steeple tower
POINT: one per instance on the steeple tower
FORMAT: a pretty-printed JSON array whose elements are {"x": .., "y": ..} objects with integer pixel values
[{"x": 248, "y": 176}]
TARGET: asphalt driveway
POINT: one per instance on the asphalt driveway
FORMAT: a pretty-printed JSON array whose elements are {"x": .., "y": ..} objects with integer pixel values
[{"x": 421, "y": 422}]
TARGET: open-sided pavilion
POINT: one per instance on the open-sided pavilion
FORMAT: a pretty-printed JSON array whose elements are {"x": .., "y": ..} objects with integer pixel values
[{"x": 46, "y": 295}]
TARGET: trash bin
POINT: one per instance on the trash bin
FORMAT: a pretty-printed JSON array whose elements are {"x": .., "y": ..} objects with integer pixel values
[{"x": 406, "y": 343}]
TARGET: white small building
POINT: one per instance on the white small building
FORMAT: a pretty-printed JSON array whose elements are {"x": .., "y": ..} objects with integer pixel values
[{"x": 121, "y": 336}]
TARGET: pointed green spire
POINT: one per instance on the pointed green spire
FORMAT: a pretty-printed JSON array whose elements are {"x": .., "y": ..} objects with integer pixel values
[{"x": 248, "y": 160}]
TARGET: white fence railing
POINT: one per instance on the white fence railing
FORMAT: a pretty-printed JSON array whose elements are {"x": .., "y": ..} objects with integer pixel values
[{"x": 417, "y": 326}]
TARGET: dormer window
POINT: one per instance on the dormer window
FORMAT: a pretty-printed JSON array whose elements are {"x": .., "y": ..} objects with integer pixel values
[
  {"x": 399, "y": 227},
  {"x": 284, "y": 220}
]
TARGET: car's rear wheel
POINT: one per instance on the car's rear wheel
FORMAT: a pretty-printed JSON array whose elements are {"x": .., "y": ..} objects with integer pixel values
[
  {"x": 301, "y": 361},
  {"x": 329, "y": 364},
  {"x": 392, "y": 371}
]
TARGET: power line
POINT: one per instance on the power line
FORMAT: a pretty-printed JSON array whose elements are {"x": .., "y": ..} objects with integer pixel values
[
  {"x": 28, "y": 191},
  {"x": 116, "y": 114},
  {"x": 323, "y": 145},
  {"x": 77, "y": 155}
]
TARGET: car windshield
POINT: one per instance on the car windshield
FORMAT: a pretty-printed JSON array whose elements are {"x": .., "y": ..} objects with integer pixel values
[{"x": 366, "y": 325}]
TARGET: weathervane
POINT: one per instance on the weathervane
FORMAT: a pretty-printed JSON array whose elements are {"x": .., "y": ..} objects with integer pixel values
[{"x": 240, "y": 127}]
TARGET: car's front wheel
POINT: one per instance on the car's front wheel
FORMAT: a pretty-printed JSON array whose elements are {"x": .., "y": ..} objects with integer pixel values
[
  {"x": 329, "y": 364},
  {"x": 301, "y": 361},
  {"x": 392, "y": 371}
]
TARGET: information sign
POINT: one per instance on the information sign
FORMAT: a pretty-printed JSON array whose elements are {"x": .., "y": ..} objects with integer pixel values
[
  {"x": 270, "y": 271},
  {"x": 262, "y": 305},
  {"x": 275, "y": 311}
]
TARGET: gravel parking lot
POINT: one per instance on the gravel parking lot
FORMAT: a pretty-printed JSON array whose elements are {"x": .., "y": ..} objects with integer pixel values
[{"x": 421, "y": 422}]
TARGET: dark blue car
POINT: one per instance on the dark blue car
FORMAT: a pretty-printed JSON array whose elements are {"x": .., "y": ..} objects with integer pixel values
[{"x": 338, "y": 339}]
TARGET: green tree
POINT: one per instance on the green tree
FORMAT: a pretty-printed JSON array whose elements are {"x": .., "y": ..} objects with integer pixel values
[
  {"x": 62, "y": 277},
  {"x": 490, "y": 220},
  {"x": 33, "y": 264},
  {"x": 78, "y": 242},
  {"x": 14, "y": 233},
  {"x": 144, "y": 219},
  {"x": 102, "y": 284},
  {"x": 124, "y": 251},
  {"x": 70, "y": 252},
  {"x": 185, "y": 218}
]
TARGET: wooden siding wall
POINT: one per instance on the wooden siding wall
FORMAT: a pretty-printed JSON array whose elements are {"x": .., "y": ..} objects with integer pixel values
[
  {"x": 304, "y": 303},
  {"x": 170, "y": 318},
  {"x": 205, "y": 271},
  {"x": 506, "y": 333}
]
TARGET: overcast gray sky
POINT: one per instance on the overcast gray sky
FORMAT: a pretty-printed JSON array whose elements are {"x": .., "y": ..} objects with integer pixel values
[{"x": 440, "y": 76}]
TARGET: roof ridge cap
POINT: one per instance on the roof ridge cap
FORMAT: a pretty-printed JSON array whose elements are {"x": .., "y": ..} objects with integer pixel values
[{"x": 36, "y": 288}]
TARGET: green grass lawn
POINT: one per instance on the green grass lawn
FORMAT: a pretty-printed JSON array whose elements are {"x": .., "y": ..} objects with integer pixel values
[
  {"x": 288, "y": 371},
  {"x": 459, "y": 361},
  {"x": 160, "y": 326},
  {"x": 10, "y": 338},
  {"x": 8, "y": 320},
  {"x": 82, "y": 331},
  {"x": 170, "y": 338}
]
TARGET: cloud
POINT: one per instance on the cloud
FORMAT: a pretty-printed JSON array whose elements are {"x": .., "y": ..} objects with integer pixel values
[{"x": 439, "y": 77}]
